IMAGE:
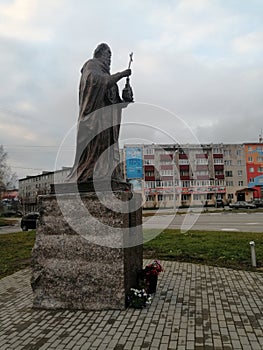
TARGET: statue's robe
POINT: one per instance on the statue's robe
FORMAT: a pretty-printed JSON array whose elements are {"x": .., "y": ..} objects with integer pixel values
[{"x": 98, "y": 125}]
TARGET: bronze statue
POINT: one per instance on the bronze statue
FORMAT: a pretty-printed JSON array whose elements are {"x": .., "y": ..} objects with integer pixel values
[{"x": 100, "y": 108}]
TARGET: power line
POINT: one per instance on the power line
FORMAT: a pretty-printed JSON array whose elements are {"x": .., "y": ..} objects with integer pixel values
[
  {"x": 19, "y": 167},
  {"x": 35, "y": 146}
]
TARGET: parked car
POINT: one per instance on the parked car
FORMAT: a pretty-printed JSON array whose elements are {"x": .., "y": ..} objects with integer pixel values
[
  {"x": 242, "y": 205},
  {"x": 29, "y": 221},
  {"x": 258, "y": 202},
  {"x": 219, "y": 203}
]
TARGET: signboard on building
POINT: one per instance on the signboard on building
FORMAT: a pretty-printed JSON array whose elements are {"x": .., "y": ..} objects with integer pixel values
[
  {"x": 134, "y": 162},
  {"x": 197, "y": 190}
]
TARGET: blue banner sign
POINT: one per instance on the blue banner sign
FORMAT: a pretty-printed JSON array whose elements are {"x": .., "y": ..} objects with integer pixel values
[{"x": 134, "y": 163}]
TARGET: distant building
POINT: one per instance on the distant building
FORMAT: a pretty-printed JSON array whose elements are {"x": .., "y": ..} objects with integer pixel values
[
  {"x": 173, "y": 175},
  {"x": 183, "y": 175},
  {"x": 235, "y": 172},
  {"x": 31, "y": 187},
  {"x": 254, "y": 166}
]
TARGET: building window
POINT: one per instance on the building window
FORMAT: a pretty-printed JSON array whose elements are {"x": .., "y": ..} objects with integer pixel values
[
  {"x": 219, "y": 172},
  {"x": 166, "y": 162},
  {"x": 201, "y": 161},
  {"x": 239, "y": 172},
  {"x": 220, "y": 182},
  {"x": 197, "y": 197},
  {"x": 229, "y": 173},
  {"x": 160, "y": 197},
  {"x": 251, "y": 169},
  {"x": 202, "y": 172},
  {"x": 239, "y": 152},
  {"x": 230, "y": 196},
  {"x": 149, "y": 151},
  {"x": 185, "y": 197},
  {"x": 209, "y": 196},
  {"x": 260, "y": 159},
  {"x": 183, "y": 162},
  {"x": 260, "y": 169},
  {"x": 166, "y": 172},
  {"x": 218, "y": 161},
  {"x": 228, "y": 162},
  {"x": 148, "y": 161},
  {"x": 239, "y": 162},
  {"x": 150, "y": 184},
  {"x": 251, "y": 179},
  {"x": 167, "y": 183},
  {"x": 240, "y": 183},
  {"x": 229, "y": 183},
  {"x": 227, "y": 152},
  {"x": 250, "y": 159}
]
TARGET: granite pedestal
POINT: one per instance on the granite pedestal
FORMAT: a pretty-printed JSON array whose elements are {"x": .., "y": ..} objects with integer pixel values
[{"x": 87, "y": 254}]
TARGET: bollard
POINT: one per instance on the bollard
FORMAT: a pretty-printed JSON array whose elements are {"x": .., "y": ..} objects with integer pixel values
[{"x": 253, "y": 253}]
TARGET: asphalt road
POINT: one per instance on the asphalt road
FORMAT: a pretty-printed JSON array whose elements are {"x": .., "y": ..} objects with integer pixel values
[
  {"x": 223, "y": 221},
  {"x": 10, "y": 229}
]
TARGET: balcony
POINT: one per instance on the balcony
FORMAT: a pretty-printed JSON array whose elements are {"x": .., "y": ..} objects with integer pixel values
[
  {"x": 149, "y": 178},
  {"x": 166, "y": 177},
  {"x": 148, "y": 168},
  {"x": 201, "y": 155},
  {"x": 166, "y": 167},
  {"x": 220, "y": 177},
  {"x": 202, "y": 167},
  {"x": 184, "y": 177},
  {"x": 183, "y": 156},
  {"x": 219, "y": 167},
  {"x": 202, "y": 177},
  {"x": 166, "y": 157},
  {"x": 184, "y": 167}
]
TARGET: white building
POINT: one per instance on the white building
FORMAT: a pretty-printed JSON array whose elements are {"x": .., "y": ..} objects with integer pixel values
[{"x": 32, "y": 186}]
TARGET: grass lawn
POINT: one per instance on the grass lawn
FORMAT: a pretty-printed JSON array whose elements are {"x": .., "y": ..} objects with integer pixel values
[
  {"x": 15, "y": 251},
  {"x": 225, "y": 249}
]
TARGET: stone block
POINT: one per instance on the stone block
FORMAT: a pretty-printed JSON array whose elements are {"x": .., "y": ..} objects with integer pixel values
[{"x": 87, "y": 251}]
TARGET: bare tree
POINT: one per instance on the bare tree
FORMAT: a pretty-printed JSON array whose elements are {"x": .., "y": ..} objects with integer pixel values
[{"x": 8, "y": 179}]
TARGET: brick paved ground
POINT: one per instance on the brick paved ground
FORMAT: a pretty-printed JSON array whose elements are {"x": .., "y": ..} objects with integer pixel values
[{"x": 195, "y": 307}]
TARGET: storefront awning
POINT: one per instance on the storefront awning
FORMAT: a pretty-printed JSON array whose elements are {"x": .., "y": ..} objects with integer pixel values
[{"x": 246, "y": 189}]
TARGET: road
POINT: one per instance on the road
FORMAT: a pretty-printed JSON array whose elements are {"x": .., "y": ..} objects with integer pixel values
[
  {"x": 10, "y": 229},
  {"x": 224, "y": 221}
]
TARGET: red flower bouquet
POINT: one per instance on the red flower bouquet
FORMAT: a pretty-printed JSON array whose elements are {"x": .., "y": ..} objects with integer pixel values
[
  {"x": 151, "y": 273},
  {"x": 154, "y": 268}
]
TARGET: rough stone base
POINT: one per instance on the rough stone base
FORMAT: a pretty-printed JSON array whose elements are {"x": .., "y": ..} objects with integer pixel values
[{"x": 86, "y": 256}]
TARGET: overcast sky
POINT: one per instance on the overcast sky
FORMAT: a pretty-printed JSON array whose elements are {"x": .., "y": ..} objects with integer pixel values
[{"x": 197, "y": 73}]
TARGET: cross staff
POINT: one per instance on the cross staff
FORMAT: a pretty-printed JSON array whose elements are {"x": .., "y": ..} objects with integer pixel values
[{"x": 131, "y": 60}]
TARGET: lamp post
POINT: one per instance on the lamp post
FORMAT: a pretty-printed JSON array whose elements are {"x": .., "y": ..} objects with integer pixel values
[{"x": 174, "y": 164}]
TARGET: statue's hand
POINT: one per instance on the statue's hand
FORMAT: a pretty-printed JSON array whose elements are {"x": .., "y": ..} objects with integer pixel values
[{"x": 126, "y": 72}]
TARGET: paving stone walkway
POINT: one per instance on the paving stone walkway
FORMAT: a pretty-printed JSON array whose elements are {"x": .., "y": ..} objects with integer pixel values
[{"x": 195, "y": 307}]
